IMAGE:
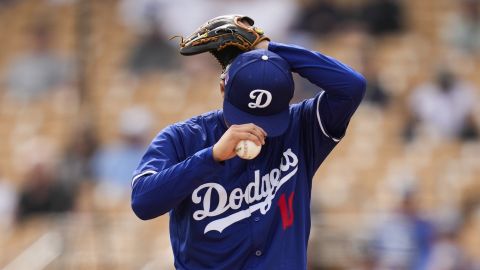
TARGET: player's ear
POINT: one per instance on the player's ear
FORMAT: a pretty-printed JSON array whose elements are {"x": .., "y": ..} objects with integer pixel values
[{"x": 222, "y": 86}]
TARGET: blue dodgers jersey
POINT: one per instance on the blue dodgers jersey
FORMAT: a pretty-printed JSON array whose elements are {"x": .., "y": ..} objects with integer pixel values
[{"x": 246, "y": 214}]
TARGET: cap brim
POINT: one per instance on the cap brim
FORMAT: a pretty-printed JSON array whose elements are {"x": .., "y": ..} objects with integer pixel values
[{"x": 274, "y": 125}]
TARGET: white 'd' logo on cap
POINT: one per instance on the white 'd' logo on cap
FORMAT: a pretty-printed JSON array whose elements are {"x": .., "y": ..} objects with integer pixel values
[{"x": 257, "y": 95}]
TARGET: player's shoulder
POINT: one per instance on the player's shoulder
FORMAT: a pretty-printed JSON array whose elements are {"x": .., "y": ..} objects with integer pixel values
[
  {"x": 203, "y": 119},
  {"x": 193, "y": 127},
  {"x": 198, "y": 124}
]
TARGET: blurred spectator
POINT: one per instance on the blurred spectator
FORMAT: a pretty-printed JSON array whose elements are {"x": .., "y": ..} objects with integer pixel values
[
  {"x": 138, "y": 14},
  {"x": 76, "y": 161},
  {"x": 319, "y": 18},
  {"x": 134, "y": 13},
  {"x": 8, "y": 198},
  {"x": 376, "y": 93},
  {"x": 447, "y": 254},
  {"x": 38, "y": 71},
  {"x": 325, "y": 17},
  {"x": 462, "y": 30},
  {"x": 404, "y": 241},
  {"x": 75, "y": 166},
  {"x": 42, "y": 193},
  {"x": 153, "y": 52},
  {"x": 443, "y": 109},
  {"x": 114, "y": 163},
  {"x": 4, "y": 3},
  {"x": 383, "y": 16}
]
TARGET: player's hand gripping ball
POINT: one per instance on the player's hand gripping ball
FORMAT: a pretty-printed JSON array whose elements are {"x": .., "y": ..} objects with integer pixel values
[{"x": 247, "y": 149}]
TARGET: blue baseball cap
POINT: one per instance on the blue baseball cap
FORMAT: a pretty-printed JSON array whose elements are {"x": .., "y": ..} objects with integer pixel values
[{"x": 258, "y": 89}]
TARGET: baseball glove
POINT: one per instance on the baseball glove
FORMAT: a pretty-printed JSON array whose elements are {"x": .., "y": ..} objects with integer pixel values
[{"x": 225, "y": 37}]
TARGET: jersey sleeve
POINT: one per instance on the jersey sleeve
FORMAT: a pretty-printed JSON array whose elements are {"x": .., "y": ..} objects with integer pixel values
[
  {"x": 323, "y": 119},
  {"x": 315, "y": 142},
  {"x": 343, "y": 88},
  {"x": 160, "y": 154},
  {"x": 162, "y": 181}
]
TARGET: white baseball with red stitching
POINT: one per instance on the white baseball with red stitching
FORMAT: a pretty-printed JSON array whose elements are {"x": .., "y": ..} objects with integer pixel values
[{"x": 247, "y": 149}]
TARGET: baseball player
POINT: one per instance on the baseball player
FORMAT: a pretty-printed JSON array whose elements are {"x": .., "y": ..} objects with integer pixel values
[{"x": 232, "y": 213}]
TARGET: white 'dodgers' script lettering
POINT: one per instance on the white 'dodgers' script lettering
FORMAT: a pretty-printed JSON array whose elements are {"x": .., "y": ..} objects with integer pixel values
[
  {"x": 258, "y": 95},
  {"x": 258, "y": 195}
]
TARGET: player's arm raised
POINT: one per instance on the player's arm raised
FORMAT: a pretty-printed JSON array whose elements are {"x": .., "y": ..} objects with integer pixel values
[{"x": 344, "y": 87}]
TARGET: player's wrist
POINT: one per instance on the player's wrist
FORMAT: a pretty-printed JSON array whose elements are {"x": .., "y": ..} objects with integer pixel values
[
  {"x": 215, "y": 154},
  {"x": 262, "y": 45}
]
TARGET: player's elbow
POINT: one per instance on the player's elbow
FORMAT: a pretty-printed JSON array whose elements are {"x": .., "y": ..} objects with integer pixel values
[
  {"x": 139, "y": 210},
  {"x": 147, "y": 205},
  {"x": 146, "y": 209},
  {"x": 141, "y": 215},
  {"x": 358, "y": 86},
  {"x": 143, "y": 209}
]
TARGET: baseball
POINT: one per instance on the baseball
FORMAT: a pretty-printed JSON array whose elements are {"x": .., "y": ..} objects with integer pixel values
[{"x": 247, "y": 149}]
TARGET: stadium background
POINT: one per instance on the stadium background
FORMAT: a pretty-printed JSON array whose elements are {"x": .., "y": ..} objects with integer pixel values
[{"x": 85, "y": 85}]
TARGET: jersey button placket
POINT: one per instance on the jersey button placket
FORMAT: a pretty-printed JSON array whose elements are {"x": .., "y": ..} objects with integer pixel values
[
  {"x": 251, "y": 175},
  {"x": 256, "y": 217}
]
